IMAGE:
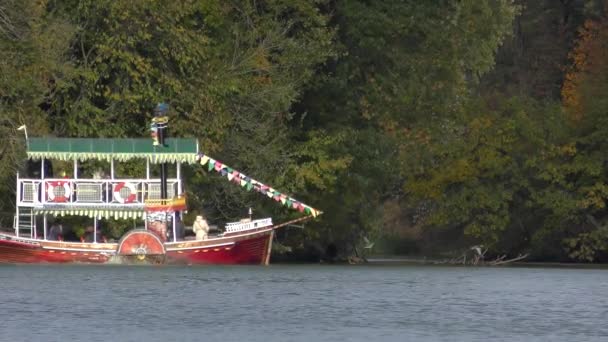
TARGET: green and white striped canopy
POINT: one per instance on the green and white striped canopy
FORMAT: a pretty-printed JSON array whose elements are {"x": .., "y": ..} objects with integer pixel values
[{"x": 176, "y": 149}]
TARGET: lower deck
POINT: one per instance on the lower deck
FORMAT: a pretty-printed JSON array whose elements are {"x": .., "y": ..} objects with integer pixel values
[{"x": 141, "y": 246}]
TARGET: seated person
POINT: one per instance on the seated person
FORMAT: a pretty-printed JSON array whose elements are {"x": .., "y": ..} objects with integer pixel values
[
  {"x": 159, "y": 228},
  {"x": 89, "y": 235},
  {"x": 200, "y": 228},
  {"x": 55, "y": 232}
]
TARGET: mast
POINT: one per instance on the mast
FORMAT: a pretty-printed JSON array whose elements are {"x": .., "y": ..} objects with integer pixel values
[{"x": 160, "y": 132}]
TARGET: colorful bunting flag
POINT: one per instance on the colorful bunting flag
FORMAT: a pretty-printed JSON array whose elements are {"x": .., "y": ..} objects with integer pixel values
[{"x": 245, "y": 181}]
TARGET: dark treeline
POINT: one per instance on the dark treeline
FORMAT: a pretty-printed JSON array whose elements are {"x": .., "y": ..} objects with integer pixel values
[{"x": 426, "y": 127}]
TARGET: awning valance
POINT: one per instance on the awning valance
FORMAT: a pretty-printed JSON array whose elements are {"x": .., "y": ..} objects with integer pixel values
[
  {"x": 99, "y": 213},
  {"x": 176, "y": 149}
]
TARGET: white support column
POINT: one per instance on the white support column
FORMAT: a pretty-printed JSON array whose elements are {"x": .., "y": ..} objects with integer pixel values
[
  {"x": 75, "y": 169},
  {"x": 17, "y": 218},
  {"x": 147, "y": 168},
  {"x": 179, "y": 178},
  {"x": 112, "y": 169},
  {"x": 17, "y": 222},
  {"x": 174, "y": 235},
  {"x": 34, "y": 229},
  {"x": 42, "y": 175},
  {"x": 95, "y": 229},
  {"x": 44, "y": 225}
]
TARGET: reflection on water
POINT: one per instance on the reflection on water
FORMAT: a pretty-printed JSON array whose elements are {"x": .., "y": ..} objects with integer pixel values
[{"x": 301, "y": 303}]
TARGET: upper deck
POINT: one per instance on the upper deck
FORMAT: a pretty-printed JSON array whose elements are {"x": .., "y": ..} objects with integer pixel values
[{"x": 101, "y": 197}]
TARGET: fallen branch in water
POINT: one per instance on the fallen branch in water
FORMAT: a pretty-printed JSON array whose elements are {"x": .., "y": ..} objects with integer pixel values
[
  {"x": 478, "y": 258},
  {"x": 502, "y": 262}
]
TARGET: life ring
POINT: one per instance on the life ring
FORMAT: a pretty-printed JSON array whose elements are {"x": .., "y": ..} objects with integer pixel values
[
  {"x": 50, "y": 191},
  {"x": 132, "y": 192}
]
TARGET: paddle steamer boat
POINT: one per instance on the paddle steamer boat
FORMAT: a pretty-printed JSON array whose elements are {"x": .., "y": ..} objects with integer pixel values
[{"x": 159, "y": 203}]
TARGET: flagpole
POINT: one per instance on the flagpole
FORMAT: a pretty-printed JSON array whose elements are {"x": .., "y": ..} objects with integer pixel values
[{"x": 24, "y": 129}]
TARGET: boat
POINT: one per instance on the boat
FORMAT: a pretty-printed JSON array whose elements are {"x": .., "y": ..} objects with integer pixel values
[{"x": 160, "y": 203}]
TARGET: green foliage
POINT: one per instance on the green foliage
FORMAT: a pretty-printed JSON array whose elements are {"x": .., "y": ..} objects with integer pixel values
[{"x": 32, "y": 57}]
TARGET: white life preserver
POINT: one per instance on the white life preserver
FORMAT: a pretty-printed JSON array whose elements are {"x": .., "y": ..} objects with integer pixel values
[
  {"x": 132, "y": 194},
  {"x": 50, "y": 191}
]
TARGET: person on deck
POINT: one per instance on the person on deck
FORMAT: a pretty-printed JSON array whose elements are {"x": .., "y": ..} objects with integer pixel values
[
  {"x": 200, "y": 228},
  {"x": 55, "y": 232}
]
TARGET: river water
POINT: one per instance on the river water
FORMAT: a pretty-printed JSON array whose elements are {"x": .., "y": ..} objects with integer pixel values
[{"x": 302, "y": 303}]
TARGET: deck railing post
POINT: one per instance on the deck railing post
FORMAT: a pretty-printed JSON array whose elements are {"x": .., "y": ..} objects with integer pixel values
[
  {"x": 95, "y": 229},
  {"x": 44, "y": 225},
  {"x": 18, "y": 193}
]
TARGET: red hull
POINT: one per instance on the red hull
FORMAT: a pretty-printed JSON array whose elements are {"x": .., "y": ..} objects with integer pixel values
[{"x": 247, "y": 248}]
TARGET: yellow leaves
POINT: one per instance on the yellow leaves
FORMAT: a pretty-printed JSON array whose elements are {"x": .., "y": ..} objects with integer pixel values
[
  {"x": 568, "y": 150},
  {"x": 480, "y": 123},
  {"x": 365, "y": 108},
  {"x": 594, "y": 196},
  {"x": 589, "y": 66},
  {"x": 433, "y": 186},
  {"x": 322, "y": 174},
  {"x": 260, "y": 60}
]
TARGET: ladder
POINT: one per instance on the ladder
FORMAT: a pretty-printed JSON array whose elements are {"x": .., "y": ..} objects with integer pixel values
[{"x": 24, "y": 223}]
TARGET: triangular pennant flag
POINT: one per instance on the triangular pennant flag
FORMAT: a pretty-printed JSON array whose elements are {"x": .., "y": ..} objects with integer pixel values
[
  {"x": 230, "y": 176},
  {"x": 283, "y": 199},
  {"x": 249, "y": 186},
  {"x": 223, "y": 172},
  {"x": 229, "y": 169},
  {"x": 307, "y": 209},
  {"x": 314, "y": 212},
  {"x": 269, "y": 194},
  {"x": 243, "y": 183},
  {"x": 295, "y": 204},
  {"x": 218, "y": 166},
  {"x": 288, "y": 203},
  {"x": 301, "y": 208},
  {"x": 204, "y": 160},
  {"x": 211, "y": 164}
]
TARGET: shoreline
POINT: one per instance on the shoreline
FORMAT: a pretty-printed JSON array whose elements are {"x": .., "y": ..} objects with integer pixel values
[{"x": 440, "y": 262}]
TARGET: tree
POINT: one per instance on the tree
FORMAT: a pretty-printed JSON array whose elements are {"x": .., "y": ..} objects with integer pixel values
[
  {"x": 402, "y": 66},
  {"x": 32, "y": 59}
]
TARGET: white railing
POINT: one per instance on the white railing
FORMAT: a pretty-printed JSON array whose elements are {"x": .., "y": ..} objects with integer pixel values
[
  {"x": 247, "y": 225},
  {"x": 119, "y": 192}
]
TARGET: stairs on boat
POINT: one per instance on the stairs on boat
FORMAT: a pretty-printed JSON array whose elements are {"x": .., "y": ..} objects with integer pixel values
[{"x": 24, "y": 223}]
